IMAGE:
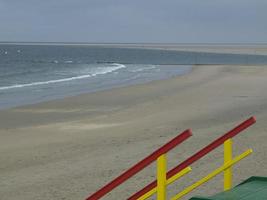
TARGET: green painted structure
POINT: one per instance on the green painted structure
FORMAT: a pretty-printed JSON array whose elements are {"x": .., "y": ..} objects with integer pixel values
[{"x": 254, "y": 188}]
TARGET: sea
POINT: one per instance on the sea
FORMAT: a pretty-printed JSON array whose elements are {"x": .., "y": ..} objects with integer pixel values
[{"x": 36, "y": 73}]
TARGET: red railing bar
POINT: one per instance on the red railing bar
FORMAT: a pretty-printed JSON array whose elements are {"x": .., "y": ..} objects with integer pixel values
[
  {"x": 198, "y": 155},
  {"x": 141, "y": 165}
]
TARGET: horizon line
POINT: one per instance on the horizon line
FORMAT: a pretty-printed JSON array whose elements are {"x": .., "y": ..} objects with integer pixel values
[{"x": 136, "y": 43}]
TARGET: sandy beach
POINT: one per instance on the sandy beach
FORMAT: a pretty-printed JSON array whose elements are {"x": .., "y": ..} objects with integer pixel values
[{"x": 69, "y": 148}]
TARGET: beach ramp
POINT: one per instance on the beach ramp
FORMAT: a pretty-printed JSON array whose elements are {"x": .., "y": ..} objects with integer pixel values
[{"x": 254, "y": 188}]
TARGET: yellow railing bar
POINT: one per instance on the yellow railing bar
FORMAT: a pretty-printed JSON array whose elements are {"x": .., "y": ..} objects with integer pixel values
[
  {"x": 179, "y": 175},
  {"x": 169, "y": 181},
  {"x": 212, "y": 174},
  {"x": 161, "y": 177},
  {"x": 227, "y": 158}
]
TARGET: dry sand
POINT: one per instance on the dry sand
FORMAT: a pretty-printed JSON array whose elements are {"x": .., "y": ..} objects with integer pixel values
[{"x": 67, "y": 149}]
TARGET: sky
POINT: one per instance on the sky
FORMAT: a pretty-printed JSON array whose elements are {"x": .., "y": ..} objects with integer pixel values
[{"x": 134, "y": 21}]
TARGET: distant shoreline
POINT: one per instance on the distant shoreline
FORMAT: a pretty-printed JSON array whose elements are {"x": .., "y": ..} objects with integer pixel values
[{"x": 233, "y": 48}]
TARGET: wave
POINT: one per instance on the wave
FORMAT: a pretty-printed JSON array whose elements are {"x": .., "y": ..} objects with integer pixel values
[
  {"x": 105, "y": 70},
  {"x": 68, "y": 61},
  {"x": 143, "y": 69},
  {"x": 99, "y": 71}
]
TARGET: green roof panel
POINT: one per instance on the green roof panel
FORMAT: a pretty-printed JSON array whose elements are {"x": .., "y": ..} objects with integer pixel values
[{"x": 254, "y": 188}]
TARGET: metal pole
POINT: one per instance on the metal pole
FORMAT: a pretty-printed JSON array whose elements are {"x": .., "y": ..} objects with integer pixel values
[
  {"x": 228, "y": 173},
  {"x": 161, "y": 177}
]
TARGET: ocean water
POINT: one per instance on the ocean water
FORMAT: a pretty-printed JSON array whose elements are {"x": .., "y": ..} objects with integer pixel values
[
  {"x": 32, "y": 74},
  {"x": 36, "y": 73}
]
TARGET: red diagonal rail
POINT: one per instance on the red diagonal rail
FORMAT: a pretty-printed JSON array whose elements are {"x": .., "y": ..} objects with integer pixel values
[
  {"x": 141, "y": 165},
  {"x": 198, "y": 155}
]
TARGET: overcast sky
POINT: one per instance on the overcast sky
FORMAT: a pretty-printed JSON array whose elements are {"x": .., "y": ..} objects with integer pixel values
[{"x": 167, "y": 21}]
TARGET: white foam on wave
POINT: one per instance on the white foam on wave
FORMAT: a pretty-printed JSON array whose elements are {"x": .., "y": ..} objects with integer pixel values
[
  {"x": 143, "y": 69},
  {"x": 99, "y": 71},
  {"x": 105, "y": 70},
  {"x": 69, "y": 61}
]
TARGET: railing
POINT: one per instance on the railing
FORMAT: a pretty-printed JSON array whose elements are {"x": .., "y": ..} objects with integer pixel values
[
  {"x": 165, "y": 178},
  {"x": 197, "y": 156},
  {"x": 141, "y": 165}
]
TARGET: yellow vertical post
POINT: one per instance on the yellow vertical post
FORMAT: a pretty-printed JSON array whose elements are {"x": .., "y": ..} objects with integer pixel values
[
  {"x": 227, "y": 158},
  {"x": 161, "y": 177}
]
